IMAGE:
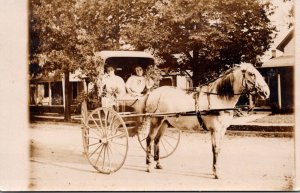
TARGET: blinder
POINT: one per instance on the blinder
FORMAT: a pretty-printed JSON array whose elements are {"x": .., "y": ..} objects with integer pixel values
[{"x": 247, "y": 88}]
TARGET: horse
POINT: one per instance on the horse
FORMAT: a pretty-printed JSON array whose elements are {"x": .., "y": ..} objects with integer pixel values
[{"x": 215, "y": 98}]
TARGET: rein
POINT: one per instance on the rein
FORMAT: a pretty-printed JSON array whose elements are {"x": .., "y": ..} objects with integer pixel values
[{"x": 133, "y": 102}]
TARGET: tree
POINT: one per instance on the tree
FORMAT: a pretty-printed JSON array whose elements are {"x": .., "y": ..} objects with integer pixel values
[
  {"x": 210, "y": 35},
  {"x": 53, "y": 41}
]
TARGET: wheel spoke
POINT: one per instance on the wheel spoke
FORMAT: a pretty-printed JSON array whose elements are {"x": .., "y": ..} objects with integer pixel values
[
  {"x": 117, "y": 149},
  {"x": 90, "y": 155},
  {"x": 110, "y": 149},
  {"x": 93, "y": 138},
  {"x": 105, "y": 121},
  {"x": 100, "y": 120},
  {"x": 144, "y": 139},
  {"x": 93, "y": 144},
  {"x": 118, "y": 143},
  {"x": 93, "y": 130},
  {"x": 103, "y": 164},
  {"x": 108, "y": 157},
  {"x": 112, "y": 121},
  {"x": 164, "y": 146},
  {"x": 99, "y": 155},
  {"x": 168, "y": 142},
  {"x": 116, "y": 127},
  {"x": 115, "y": 136},
  {"x": 98, "y": 128},
  {"x": 170, "y": 136}
]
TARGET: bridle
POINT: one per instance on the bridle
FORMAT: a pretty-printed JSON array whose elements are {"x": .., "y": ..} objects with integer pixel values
[{"x": 247, "y": 88}]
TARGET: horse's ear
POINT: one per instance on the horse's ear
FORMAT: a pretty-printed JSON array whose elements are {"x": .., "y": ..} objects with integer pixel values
[
  {"x": 243, "y": 67},
  {"x": 195, "y": 95}
]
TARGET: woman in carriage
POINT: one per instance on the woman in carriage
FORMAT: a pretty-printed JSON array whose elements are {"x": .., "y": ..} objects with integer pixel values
[{"x": 138, "y": 84}]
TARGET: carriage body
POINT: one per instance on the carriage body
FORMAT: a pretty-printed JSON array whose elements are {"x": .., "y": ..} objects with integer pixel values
[{"x": 124, "y": 63}]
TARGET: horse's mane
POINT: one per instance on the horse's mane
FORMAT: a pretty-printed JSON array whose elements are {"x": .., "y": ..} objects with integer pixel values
[{"x": 224, "y": 84}]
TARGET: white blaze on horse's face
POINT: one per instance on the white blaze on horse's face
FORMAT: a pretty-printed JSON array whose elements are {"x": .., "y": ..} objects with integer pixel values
[{"x": 254, "y": 81}]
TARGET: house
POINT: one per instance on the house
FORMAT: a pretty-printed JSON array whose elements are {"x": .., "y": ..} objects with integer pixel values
[
  {"x": 279, "y": 74},
  {"x": 47, "y": 93}
]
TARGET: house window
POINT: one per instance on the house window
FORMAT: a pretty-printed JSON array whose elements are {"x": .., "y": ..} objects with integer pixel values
[
  {"x": 57, "y": 93},
  {"x": 166, "y": 81},
  {"x": 32, "y": 94},
  {"x": 42, "y": 97},
  {"x": 74, "y": 90},
  {"x": 46, "y": 89}
]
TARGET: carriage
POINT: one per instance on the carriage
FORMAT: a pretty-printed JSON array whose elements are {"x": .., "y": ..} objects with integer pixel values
[{"x": 105, "y": 130}]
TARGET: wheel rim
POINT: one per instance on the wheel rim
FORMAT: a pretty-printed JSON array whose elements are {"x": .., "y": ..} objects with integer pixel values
[
  {"x": 168, "y": 142},
  {"x": 105, "y": 140}
]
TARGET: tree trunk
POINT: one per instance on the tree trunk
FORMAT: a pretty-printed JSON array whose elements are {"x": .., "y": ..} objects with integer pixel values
[
  {"x": 201, "y": 69},
  {"x": 67, "y": 112},
  {"x": 196, "y": 68}
]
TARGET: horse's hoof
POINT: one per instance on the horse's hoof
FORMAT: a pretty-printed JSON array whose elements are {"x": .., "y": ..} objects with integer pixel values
[
  {"x": 148, "y": 168},
  {"x": 158, "y": 166},
  {"x": 216, "y": 176}
]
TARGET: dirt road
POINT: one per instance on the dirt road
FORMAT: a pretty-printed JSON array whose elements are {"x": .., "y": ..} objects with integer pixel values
[{"x": 247, "y": 163}]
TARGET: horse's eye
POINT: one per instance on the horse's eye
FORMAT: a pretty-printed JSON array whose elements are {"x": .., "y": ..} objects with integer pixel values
[{"x": 251, "y": 74}]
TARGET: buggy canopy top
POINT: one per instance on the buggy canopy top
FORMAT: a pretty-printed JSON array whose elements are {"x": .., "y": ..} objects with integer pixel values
[{"x": 125, "y": 61}]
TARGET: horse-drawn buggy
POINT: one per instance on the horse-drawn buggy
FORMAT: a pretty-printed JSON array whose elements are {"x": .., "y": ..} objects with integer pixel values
[{"x": 159, "y": 115}]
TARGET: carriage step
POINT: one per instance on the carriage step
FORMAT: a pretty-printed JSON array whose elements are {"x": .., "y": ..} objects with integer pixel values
[
  {"x": 130, "y": 121},
  {"x": 131, "y": 128}
]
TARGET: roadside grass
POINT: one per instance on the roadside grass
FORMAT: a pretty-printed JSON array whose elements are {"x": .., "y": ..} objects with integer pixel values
[{"x": 277, "y": 118}]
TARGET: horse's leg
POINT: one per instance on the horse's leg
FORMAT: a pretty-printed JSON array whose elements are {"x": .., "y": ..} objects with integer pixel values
[
  {"x": 217, "y": 135},
  {"x": 155, "y": 125},
  {"x": 160, "y": 133}
]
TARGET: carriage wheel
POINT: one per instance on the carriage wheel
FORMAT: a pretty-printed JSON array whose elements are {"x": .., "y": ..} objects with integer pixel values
[
  {"x": 168, "y": 142},
  {"x": 105, "y": 140}
]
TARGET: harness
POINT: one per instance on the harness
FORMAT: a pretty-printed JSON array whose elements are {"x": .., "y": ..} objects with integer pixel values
[{"x": 246, "y": 90}]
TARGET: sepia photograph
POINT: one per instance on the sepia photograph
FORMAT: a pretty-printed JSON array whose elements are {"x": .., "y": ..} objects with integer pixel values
[{"x": 149, "y": 95}]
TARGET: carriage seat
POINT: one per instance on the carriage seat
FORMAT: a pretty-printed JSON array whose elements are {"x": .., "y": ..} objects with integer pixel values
[{"x": 126, "y": 103}]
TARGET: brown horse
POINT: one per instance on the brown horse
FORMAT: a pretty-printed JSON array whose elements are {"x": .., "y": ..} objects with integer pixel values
[{"x": 221, "y": 94}]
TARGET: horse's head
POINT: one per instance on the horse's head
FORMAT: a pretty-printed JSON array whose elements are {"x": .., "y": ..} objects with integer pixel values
[{"x": 253, "y": 82}]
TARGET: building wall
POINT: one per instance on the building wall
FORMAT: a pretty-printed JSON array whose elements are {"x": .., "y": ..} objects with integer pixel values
[
  {"x": 286, "y": 89},
  {"x": 289, "y": 49}
]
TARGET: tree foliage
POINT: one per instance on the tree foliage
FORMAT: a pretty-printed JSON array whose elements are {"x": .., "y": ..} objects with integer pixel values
[
  {"x": 210, "y": 35},
  {"x": 207, "y": 35}
]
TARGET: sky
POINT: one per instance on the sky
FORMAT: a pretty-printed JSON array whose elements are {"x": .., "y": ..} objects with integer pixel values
[{"x": 280, "y": 19}]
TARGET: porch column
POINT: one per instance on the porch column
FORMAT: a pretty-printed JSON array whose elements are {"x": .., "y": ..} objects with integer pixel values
[
  {"x": 85, "y": 88},
  {"x": 63, "y": 92},
  {"x": 279, "y": 91},
  {"x": 50, "y": 93},
  {"x": 36, "y": 94}
]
